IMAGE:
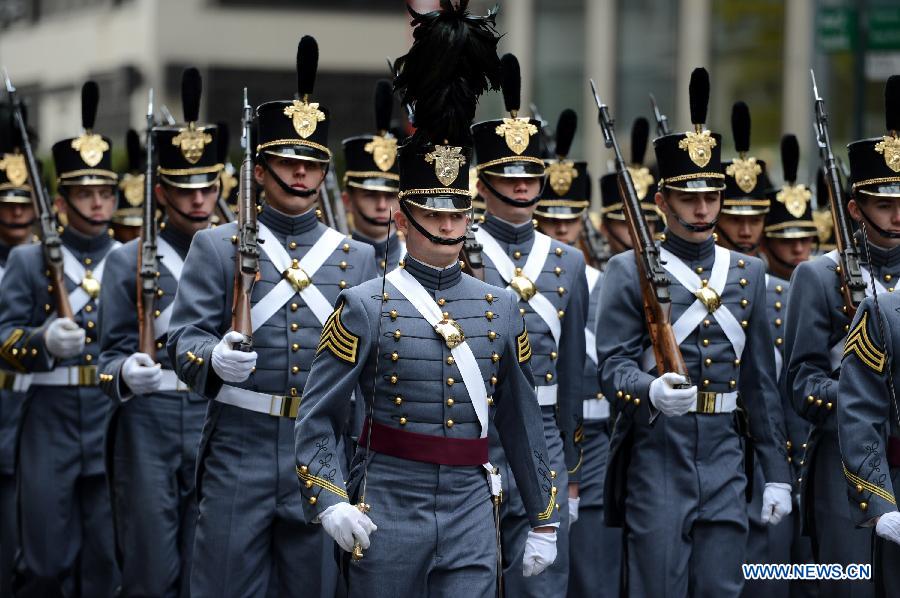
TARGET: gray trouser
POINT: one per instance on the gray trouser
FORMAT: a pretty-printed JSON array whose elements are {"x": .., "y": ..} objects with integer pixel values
[
  {"x": 250, "y": 531},
  {"x": 594, "y": 549},
  {"x": 766, "y": 543},
  {"x": 436, "y": 534},
  {"x": 66, "y": 519},
  {"x": 154, "y": 453},
  {"x": 837, "y": 537},
  {"x": 514, "y": 526},
  {"x": 9, "y": 535},
  {"x": 686, "y": 517}
]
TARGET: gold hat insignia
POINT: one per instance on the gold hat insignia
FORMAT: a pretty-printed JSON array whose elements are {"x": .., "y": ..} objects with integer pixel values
[
  {"x": 16, "y": 171},
  {"x": 890, "y": 147},
  {"x": 90, "y": 147},
  {"x": 447, "y": 160},
  {"x": 305, "y": 117},
  {"x": 794, "y": 198},
  {"x": 383, "y": 150},
  {"x": 560, "y": 176},
  {"x": 517, "y": 132},
  {"x": 744, "y": 172},
  {"x": 698, "y": 146}
]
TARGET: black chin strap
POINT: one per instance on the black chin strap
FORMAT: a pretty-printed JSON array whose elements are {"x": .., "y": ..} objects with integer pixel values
[
  {"x": 431, "y": 237},
  {"x": 771, "y": 255},
  {"x": 520, "y": 203},
  {"x": 370, "y": 220},
  {"x": 17, "y": 225},
  {"x": 884, "y": 233},
  {"x": 287, "y": 188},
  {"x": 748, "y": 249},
  {"x": 617, "y": 239},
  {"x": 171, "y": 206},
  {"x": 90, "y": 221}
]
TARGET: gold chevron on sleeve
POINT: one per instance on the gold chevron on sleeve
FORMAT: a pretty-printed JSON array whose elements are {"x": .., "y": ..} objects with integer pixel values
[
  {"x": 857, "y": 482},
  {"x": 858, "y": 342},
  {"x": 342, "y": 343},
  {"x": 523, "y": 346},
  {"x": 10, "y": 353},
  {"x": 548, "y": 512}
]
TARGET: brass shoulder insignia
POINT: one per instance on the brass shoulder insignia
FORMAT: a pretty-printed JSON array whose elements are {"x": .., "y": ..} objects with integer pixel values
[
  {"x": 523, "y": 346},
  {"x": 858, "y": 342},
  {"x": 342, "y": 343}
]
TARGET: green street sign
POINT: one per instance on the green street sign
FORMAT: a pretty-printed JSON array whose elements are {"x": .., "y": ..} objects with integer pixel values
[
  {"x": 884, "y": 28},
  {"x": 836, "y": 28}
]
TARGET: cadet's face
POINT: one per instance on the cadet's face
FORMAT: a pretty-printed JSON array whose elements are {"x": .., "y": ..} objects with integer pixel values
[
  {"x": 616, "y": 234},
  {"x": 884, "y": 212},
  {"x": 519, "y": 188},
  {"x": 91, "y": 203},
  {"x": 297, "y": 174},
  {"x": 745, "y": 231},
  {"x": 790, "y": 251},
  {"x": 367, "y": 205},
  {"x": 15, "y": 222},
  {"x": 564, "y": 231},
  {"x": 196, "y": 203},
  {"x": 449, "y": 225},
  {"x": 698, "y": 208}
]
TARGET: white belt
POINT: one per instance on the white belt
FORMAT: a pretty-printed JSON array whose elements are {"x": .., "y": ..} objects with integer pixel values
[
  {"x": 171, "y": 383},
  {"x": 595, "y": 409},
  {"x": 715, "y": 402},
  {"x": 546, "y": 395},
  {"x": 275, "y": 405},
  {"x": 75, "y": 375},
  {"x": 14, "y": 381}
]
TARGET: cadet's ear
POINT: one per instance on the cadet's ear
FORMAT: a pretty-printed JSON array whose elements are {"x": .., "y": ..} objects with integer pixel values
[
  {"x": 853, "y": 209},
  {"x": 401, "y": 222},
  {"x": 60, "y": 204},
  {"x": 345, "y": 198},
  {"x": 160, "y": 194},
  {"x": 660, "y": 201},
  {"x": 258, "y": 172}
]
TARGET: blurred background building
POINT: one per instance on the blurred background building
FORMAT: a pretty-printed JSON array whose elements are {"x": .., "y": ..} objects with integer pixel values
[{"x": 759, "y": 51}]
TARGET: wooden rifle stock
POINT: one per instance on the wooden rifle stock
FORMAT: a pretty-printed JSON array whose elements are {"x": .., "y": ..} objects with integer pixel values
[
  {"x": 653, "y": 279},
  {"x": 246, "y": 268},
  {"x": 50, "y": 240},
  {"x": 147, "y": 265}
]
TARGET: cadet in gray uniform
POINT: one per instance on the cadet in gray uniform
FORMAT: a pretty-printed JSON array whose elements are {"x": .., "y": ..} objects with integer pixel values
[
  {"x": 16, "y": 222},
  {"x": 677, "y": 484},
  {"x": 64, "y": 509},
  {"x": 740, "y": 227},
  {"x": 549, "y": 278},
  {"x": 432, "y": 349},
  {"x": 154, "y": 432},
  {"x": 788, "y": 239},
  {"x": 251, "y": 524},
  {"x": 869, "y": 429},
  {"x": 371, "y": 182},
  {"x": 816, "y": 326},
  {"x": 865, "y": 430},
  {"x": 560, "y": 214}
]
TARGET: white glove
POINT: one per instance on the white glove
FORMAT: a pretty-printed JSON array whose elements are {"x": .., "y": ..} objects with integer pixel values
[
  {"x": 347, "y": 525},
  {"x": 888, "y": 526},
  {"x": 140, "y": 373},
  {"x": 540, "y": 552},
  {"x": 573, "y": 509},
  {"x": 776, "y": 502},
  {"x": 672, "y": 401},
  {"x": 231, "y": 365},
  {"x": 64, "y": 338}
]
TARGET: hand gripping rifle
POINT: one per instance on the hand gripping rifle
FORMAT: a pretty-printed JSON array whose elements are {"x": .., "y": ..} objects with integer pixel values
[
  {"x": 852, "y": 288},
  {"x": 148, "y": 266},
  {"x": 654, "y": 282},
  {"x": 247, "y": 268},
  {"x": 50, "y": 240}
]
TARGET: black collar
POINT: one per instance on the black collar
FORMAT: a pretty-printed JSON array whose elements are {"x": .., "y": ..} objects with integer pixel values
[
  {"x": 180, "y": 241},
  {"x": 4, "y": 253},
  {"x": 289, "y": 225},
  {"x": 432, "y": 278},
  {"x": 511, "y": 234},
  {"x": 884, "y": 258},
  {"x": 380, "y": 247},
  {"x": 689, "y": 251},
  {"x": 83, "y": 243}
]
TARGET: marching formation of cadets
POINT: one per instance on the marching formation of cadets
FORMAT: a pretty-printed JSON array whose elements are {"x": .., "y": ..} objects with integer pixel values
[{"x": 444, "y": 402}]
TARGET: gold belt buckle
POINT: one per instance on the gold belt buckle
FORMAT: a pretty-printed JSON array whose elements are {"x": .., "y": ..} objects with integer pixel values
[
  {"x": 709, "y": 297},
  {"x": 451, "y": 332},
  {"x": 284, "y": 406},
  {"x": 87, "y": 375},
  {"x": 91, "y": 285},
  {"x": 706, "y": 402}
]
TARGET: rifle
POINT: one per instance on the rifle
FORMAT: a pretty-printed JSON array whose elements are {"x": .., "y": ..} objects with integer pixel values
[
  {"x": 654, "y": 282},
  {"x": 50, "y": 240},
  {"x": 591, "y": 243},
  {"x": 853, "y": 288},
  {"x": 247, "y": 268},
  {"x": 148, "y": 266},
  {"x": 329, "y": 194},
  {"x": 167, "y": 115},
  {"x": 470, "y": 255},
  {"x": 662, "y": 122}
]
